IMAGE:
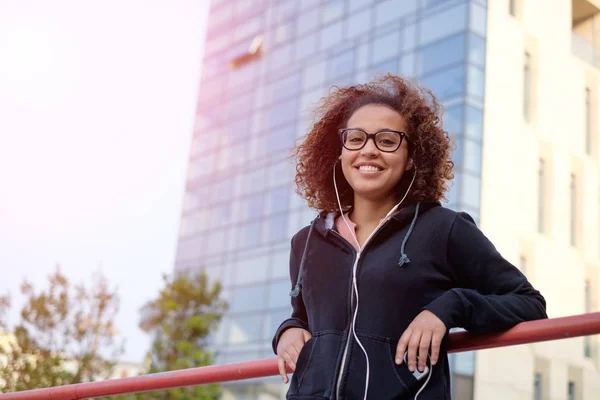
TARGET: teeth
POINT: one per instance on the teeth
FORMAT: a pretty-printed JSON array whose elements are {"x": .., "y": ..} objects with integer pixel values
[{"x": 369, "y": 168}]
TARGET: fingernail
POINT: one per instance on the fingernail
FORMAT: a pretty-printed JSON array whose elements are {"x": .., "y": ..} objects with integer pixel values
[
  {"x": 411, "y": 368},
  {"x": 398, "y": 361}
]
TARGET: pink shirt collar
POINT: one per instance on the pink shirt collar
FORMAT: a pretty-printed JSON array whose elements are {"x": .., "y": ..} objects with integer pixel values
[{"x": 346, "y": 233}]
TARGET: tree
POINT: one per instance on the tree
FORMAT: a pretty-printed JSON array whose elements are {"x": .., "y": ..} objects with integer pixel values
[
  {"x": 181, "y": 318},
  {"x": 66, "y": 335}
]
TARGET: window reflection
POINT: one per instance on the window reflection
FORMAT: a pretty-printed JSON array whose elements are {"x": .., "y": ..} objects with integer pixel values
[
  {"x": 216, "y": 242},
  {"x": 390, "y": 66},
  {"x": 314, "y": 75},
  {"x": 275, "y": 319},
  {"x": 476, "y": 50},
  {"x": 476, "y": 82},
  {"x": 281, "y": 139},
  {"x": 279, "y": 293},
  {"x": 391, "y": 10},
  {"x": 385, "y": 47},
  {"x": 472, "y": 156},
  {"x": 284, "y": 87},
  {"x": 331, "y": 35},
  {"x": 286, "y": 9},
  {"x": 283, "y": 112},
  {"x": 474, "y": 123},
  {"x": 332, "y": 10},
  {"x": 477, "y": 19},
  {"x": 307, "y": 22},
  {"x": 280, "y": 173},
  {"x": 254, "y": 206},
  {"x": 341, "y": 65},
  {"x": 280, "y": 57},
  {"x": 278, "y": 200},
  {"x": 443, "y": 24},
  {"x": 276, "y": 228},
  {"x": 471, "y": 190},
  {"x": 306, "y": 46},
  {"x": 250, "y": 234},
  {"x": 357, "y": 4},
  {"x": 358, "y": 24},
  {"x": 247, "y": 328},
  {"x": 446, "y": 84},
  {"x": 251, "y": 270},
  {"x": 280, "y": 264},
  {"x": 453, "y": 120},
  {"x": 440, "y": 54},
  {"x": 409, "y": 37},
  {"x": 248, "y": 298}
]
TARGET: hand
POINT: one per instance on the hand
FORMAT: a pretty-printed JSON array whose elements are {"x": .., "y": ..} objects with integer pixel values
[
  {"x": 288, "y": 349},
  {"x": 424, "y": 331}
]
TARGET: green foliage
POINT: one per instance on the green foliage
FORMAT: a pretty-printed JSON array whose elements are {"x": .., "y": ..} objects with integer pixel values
[
  {"x": 180, "y": 319},
  {"x": 65, "y": 335}
]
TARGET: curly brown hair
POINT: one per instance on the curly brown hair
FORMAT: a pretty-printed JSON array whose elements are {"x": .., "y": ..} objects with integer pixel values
[{"x": 429, "y": 145}]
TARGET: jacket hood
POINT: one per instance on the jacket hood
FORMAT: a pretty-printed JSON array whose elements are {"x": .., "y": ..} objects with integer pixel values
[{"x": 324, "y": 223}]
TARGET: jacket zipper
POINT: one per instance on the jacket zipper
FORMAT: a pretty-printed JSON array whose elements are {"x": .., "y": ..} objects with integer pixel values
[{"x": 354, "y": 267}]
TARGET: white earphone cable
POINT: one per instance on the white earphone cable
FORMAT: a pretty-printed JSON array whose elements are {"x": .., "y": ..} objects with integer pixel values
[{"x": 354, "y": 284}]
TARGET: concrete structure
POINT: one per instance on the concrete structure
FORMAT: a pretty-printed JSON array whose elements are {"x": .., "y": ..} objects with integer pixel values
[
  {"x": 519, "y": 83},
  {"x": 539, "y": 194}
]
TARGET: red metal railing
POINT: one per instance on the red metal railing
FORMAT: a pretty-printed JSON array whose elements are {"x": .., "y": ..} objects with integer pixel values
[{"x": 526, "y": 332}]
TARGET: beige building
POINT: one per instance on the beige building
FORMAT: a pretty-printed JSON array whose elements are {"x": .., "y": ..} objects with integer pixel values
[{"x": 540, "y": 193}]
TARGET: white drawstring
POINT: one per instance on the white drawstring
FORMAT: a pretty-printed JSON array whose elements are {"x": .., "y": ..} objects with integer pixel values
[{"x": 354, "y": 285}]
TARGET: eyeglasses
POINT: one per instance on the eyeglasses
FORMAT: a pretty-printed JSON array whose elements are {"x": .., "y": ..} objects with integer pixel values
[{"x": 385, "y": 140}]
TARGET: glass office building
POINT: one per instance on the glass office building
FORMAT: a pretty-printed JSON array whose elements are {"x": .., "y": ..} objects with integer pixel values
[{"x": 266, "y": 63}]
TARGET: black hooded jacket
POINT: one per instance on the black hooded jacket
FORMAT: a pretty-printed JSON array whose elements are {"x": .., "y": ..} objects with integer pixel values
[{"x": 425, "y": 257}]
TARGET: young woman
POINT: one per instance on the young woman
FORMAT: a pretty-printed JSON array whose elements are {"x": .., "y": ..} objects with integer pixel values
[{"x": 384, "y": 271}]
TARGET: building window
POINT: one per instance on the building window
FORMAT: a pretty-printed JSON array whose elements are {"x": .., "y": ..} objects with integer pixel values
[
  {"x": 527, "y": 88},
  {"x": 571, "y": 390},
  {"x": 588, "y": 121},
  {"x": 537, "y": 387},
  {"x": 541, "y": 196},
  {"x": 512, "y": 7},
  {"x": 573, "y": 210},
  {"x": 587, "y": 344}
]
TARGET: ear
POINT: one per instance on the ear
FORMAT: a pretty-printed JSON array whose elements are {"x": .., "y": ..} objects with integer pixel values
[{"x": 410, "y": 165}]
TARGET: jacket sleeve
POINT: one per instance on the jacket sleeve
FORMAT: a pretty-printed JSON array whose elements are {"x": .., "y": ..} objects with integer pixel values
[
  {"x": 298, "y": 319},
  {"x": 492, "y": 295}
]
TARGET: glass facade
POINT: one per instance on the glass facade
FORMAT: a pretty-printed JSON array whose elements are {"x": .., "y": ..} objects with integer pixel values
[{"x": 240, "y": 210}]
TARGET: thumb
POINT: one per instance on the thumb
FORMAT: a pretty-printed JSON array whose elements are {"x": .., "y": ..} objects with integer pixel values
[{"x": 306, "y": 335}]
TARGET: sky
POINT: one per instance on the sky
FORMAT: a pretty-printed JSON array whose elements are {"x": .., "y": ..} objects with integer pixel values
[{"x": 97, "y": 107}]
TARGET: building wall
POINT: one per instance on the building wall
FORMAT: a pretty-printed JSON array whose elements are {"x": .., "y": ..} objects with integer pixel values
[{"x": 513, "y": 145}]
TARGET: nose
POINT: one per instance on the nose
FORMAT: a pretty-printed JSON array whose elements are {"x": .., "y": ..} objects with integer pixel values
[{"x": 369, "y": 148}]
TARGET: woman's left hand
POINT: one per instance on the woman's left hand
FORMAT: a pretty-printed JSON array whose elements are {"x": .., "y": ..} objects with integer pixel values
[{"x": 425, "y": 331}]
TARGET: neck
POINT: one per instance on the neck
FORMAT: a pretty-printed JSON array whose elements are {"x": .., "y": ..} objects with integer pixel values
[{"x": 368, "y": 212}]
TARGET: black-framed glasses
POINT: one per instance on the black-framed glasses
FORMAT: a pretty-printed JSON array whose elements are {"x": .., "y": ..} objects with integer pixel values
[{"x": 386, "y": 140}]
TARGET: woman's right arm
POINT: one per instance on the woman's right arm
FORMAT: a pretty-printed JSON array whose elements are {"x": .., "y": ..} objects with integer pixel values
[{"x": 293, "y": 333}]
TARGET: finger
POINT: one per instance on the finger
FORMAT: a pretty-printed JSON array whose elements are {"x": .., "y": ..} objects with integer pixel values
[
  {"x": 436, "y": 342},
  {"x": 413, "y": 348},
  {"x": 294, "y": 351},
  {"x": 307, "y": 336},
  {"x": 282, "y": 371},
  {"x": 401, "y": 347},
  {"x": 288, "y": 360},
  {"x": 424, "y": 349}
]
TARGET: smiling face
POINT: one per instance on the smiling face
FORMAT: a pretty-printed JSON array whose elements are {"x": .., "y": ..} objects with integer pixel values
[{"x": 374, "y": 174}]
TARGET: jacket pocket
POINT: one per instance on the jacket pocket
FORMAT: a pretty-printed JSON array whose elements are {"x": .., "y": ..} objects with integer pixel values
[
  {"x": 386, "y": 379},
  {"x": 315, "y": 368}
]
